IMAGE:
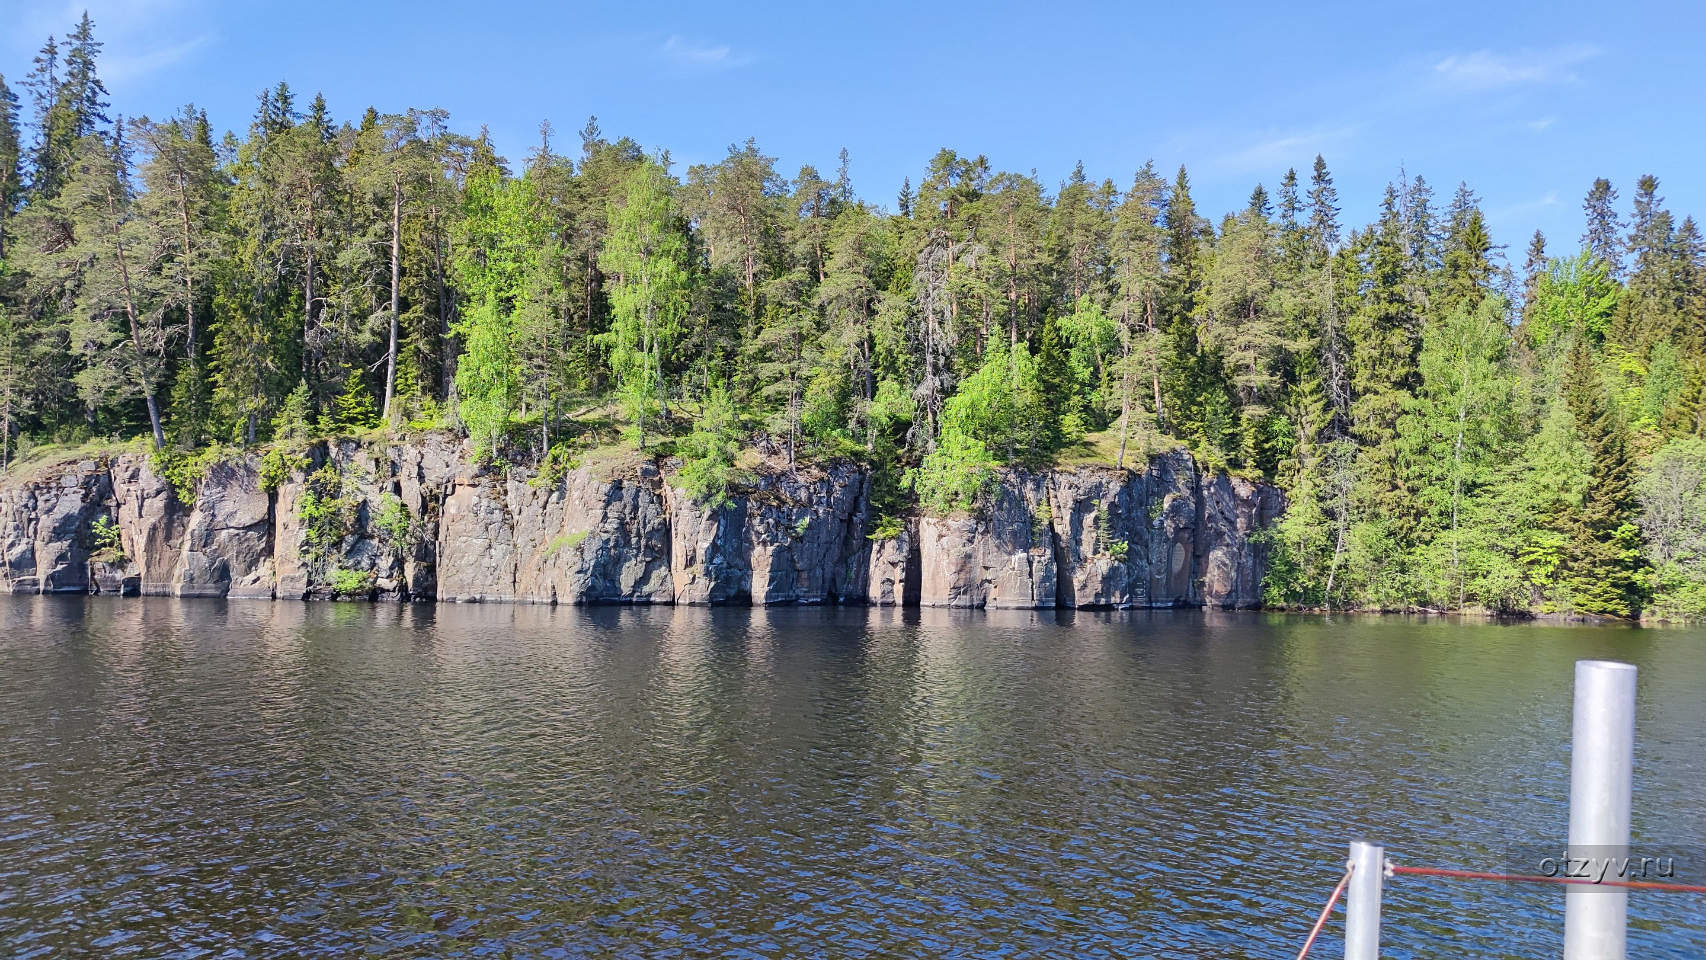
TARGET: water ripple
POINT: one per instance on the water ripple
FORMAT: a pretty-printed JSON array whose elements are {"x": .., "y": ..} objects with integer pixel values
[{"x": 203, "y": 779}]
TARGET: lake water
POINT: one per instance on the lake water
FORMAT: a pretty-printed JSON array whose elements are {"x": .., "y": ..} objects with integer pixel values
[{"x": 201, "y": 778}]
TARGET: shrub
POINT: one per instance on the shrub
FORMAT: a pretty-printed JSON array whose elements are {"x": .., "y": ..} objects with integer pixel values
[
  {"x": 393, "y": 522},
  {"x": 277, "y": 465},
  {"x": 558, "y": 460},
  {"x": 104, "y": 534},
  {"x": 327, "y": 516},
  {"x": 887, "y": 527},
  {"x": 956, "y": 477},
  {"x": 708, "y": 453},
  {"x": 351, "y": 583},
  {"x": 185, "y": 471}
]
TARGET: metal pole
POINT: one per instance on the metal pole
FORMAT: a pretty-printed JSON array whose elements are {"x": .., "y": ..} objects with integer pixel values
[
  {"x": 1362, "y": 902},
  {"x": 1602, "y": 764}
]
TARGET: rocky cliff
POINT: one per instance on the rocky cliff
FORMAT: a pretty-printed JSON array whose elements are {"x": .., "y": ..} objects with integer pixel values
[{"x": 416, "y": 521}]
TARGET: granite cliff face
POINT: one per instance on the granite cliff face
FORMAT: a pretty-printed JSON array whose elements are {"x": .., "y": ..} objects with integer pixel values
[{"x": 416, "y": 521}]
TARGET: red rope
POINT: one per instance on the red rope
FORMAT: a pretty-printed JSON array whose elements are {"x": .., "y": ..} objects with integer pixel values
[
  {"x": 1529, "y": 878},
  {"x": 1327, "y": 910}
]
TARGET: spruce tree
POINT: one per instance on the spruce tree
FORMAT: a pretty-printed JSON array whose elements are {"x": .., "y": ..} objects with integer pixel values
[
  {"x": 1603, "y": 567},
  {"x": 1602, "y": 237}
]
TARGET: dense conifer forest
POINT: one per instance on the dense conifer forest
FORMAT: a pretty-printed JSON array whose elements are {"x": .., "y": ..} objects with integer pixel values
[{"x": 1456, "y": 424}]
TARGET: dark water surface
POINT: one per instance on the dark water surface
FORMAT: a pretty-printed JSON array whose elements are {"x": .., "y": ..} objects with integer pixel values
[{"x": 202, "y": 778}]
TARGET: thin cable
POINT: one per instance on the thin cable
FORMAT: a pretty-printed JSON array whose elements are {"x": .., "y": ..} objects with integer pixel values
[{"x": 1326, "y": 911}]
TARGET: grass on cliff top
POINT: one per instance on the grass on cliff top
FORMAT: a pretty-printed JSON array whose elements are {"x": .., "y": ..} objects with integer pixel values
[
  {"x": 1102, "y": 448},
  {"x": 38, "y": 460}
]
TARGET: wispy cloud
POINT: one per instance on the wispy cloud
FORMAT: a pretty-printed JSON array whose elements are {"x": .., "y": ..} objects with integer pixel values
[
  {"x": 705, "y": 56},
  {"x": 1484, "y": 70},
  {"x": 1286, "y": 148},
  {"x": 1541, "y": 124},
  {"x": 125, "y": 68},
  {"x": 1525, "y": 209}
]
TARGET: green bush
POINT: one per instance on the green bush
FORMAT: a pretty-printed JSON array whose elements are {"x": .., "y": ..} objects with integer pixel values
[
  {"x": 887, "y": 527},
  {"x": 277, "y": 465},
  {"x": 351, "y": 583},
  {"x": 327, "y": 516},
  {"x": 559, "y": 460},
  {"x": 393, "y": 522},
  {"x": 956, "y": 477},
  {"x": 104, "y": 534},
  {"x": 708, "y": 453},
  {"x": 186, "y": 470}
]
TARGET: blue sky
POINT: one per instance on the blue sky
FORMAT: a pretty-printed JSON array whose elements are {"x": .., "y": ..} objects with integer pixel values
[{"x": 1527, "y": 102}]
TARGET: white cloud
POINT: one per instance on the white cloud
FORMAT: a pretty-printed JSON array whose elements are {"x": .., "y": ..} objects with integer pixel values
[
  {"x": 1526, "y": 208},
  {"x": 138, "y": 37},
  {"x": 1542, "y": 124},
  {"x": 1484, "y": 70},
  {"x": 1284, "y": 149},
  {"x": 708, "y": 56},
  {"x": 128, "y": 67}
]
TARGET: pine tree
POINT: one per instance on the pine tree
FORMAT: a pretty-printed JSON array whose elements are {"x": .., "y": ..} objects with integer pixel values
[{"x": 1137, "y": 249}]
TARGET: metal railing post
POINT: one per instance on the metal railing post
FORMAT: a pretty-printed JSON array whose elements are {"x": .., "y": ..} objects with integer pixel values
[
  {"x": 1602, "y": 762},
  {"x": 1362, "y": 902}
]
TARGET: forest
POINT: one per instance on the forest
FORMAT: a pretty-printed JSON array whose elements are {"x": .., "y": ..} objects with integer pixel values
[{"x": 1456, "y": 425}]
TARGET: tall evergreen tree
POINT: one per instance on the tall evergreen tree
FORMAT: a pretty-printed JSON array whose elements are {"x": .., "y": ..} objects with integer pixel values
[
  {"x": 1603, "y": 239},
  {"x": 1604, "y": 566}
]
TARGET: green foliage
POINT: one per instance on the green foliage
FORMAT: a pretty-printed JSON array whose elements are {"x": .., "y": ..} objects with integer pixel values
[
  {"x": 295, "y": 417},
  {"x": 352, "y": 410},
  {"x": 1107, "y": 544},
  {"x": 886, "y": 527},
  {"x": 350, "y": 583},
  {"x": 277, "y": 465},
  {"x": 1574, "y": 297},
  {"x": 708, "y": 453},
  {"x": 557, "y": 462},
  {"x": 108, "y": 544},
  {"x": 646, "y": 254},
  {"x": 1042, "y": 521},
  {"x": 185, "y": 471},
  {"x": 1672, "y": 495},
  {"x": 1004, "y": 408},
  {"x": 957, "y": 477},
  {"x": 327, "y": 516},
  {"x": 565, "y": 542},
  {"x": 1438, "y": 447},
  {"x": 502, "y": 239},
  {"x": 393, "y": 522}
]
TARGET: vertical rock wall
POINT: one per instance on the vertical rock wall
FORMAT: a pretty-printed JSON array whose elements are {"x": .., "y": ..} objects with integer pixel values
[{"x": 1090, "y": 537}]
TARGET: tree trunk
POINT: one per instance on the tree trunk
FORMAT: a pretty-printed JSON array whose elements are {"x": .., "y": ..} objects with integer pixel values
[
  {"x": 135, "y": 329},
  {"x": 447, "y": 364},
  {"x": 1125, "y": 405},
  {"x": 396, "y": 268},
  {"x": 190, "y": 346}
]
